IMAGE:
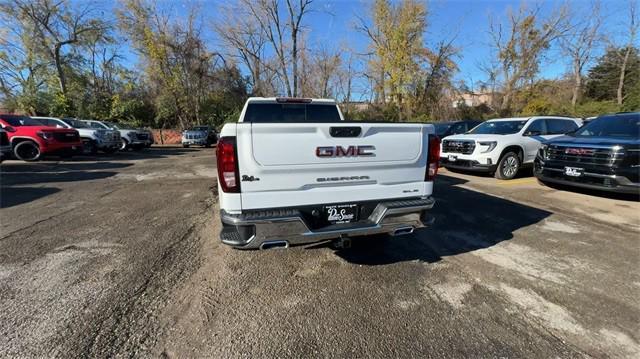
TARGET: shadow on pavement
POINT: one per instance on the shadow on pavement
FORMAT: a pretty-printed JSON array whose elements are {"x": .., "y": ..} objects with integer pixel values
[
  {"x": 13, "y": 196},
  {"x": 592, "y": 192},
  {"x": 78, "y": 168},
  {"x": 524, "y": 172},
  {"x": 145, "y": 153},
  {"x": 465, "y": 221},
  {"x": 15, "y": 175},
  {"x": 22, "y": 173},
  {"x": 12, "y": 179},
  {"x": 37, "y": 167}
]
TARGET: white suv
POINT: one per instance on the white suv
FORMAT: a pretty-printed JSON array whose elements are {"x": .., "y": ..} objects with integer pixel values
[{"x": 503, "y": 145}]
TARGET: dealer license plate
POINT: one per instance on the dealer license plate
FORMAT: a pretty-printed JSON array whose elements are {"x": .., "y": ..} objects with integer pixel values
[
  {"x": 573, "y": 171},
  {"x": 341, "y": 213}
]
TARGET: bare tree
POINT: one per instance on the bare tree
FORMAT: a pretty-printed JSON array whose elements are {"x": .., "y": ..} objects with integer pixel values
[
  {"x": 632, "y": 33},
  {"x": 276, "y": 25},
  {"x": 241, "y": 34},
  {"x": 376, "y": 73},
  {"x": 346, "y": 76},
  {"x": 56, "y": 25},
  {"x": 178, "y": 65},
  {"x": 439, "y": 70},
  {"x": 492, "y": 71},
  {"x": 297, "y": 10},
  {"x": 520, "y": 45},
  {"x": 579, "y": 44}
]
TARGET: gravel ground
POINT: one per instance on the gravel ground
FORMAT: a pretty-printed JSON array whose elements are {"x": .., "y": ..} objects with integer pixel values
[{"x": 119, "y": 256}]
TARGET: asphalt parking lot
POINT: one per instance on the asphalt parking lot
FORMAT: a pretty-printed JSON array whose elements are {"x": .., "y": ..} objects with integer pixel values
[{"x": 119, "y": 256}]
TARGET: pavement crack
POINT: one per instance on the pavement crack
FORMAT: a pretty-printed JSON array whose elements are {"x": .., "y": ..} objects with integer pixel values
[{"x": 31, "y": 225}]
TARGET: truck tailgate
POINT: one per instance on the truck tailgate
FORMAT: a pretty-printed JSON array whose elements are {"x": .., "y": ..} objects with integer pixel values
[{"x": 309, "y": 163}]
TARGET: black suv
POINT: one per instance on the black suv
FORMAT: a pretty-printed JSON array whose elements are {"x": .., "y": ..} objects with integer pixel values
[
  {"x": 444, "y": 129},
  {"x": 604, "y": 154}
]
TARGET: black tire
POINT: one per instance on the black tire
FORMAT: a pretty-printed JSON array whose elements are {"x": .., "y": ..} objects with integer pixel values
[
  {"x": 207, "y": 145},
  {"x": 27, "y": 151},
  {"x": 124, "y": 144},
  {"x": 110, "y": 150},
  {"x": 185, "y": 146},
  {"x": 137, "y": 147},
  {"x": 89, "y": 147},
  {"x": 508, "y": 166}
]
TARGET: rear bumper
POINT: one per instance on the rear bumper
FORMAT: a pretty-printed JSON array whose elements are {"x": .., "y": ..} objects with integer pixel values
[
  {"x": 253, "y": 229},
  {"x": 588, "y": 180}
]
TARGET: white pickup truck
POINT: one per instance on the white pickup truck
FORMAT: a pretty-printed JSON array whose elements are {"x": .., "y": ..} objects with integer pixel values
[{"x": 292, "y": 171}]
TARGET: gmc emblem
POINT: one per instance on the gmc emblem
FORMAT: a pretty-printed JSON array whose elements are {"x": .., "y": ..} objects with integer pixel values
[
  {"x": 579, "y": 151},
  {"x": 339, "y": 151}
]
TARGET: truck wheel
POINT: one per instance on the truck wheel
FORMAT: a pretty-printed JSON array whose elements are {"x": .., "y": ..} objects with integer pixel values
[
  {"x": 124, "y": 144},
  {"x": 185, "y": 146},
  {"x": 27, "y": 151},
  {"x": 89, "y": 147},
  {"x": 508, "y": 166}
]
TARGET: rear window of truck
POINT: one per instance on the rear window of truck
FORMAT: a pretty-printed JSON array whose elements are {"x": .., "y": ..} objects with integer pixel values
[{"x": 291, "y": 113}]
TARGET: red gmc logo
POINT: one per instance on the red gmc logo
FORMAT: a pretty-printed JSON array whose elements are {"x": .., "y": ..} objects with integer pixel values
[
  {"x": 579, "y": 151},
  {"x": 350, "y": 151}
]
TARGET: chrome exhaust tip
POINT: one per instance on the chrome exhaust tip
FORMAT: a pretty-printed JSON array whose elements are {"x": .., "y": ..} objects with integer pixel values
[
  {"x": 402, "y": 230},
  {"x": 274, "y": 244}
]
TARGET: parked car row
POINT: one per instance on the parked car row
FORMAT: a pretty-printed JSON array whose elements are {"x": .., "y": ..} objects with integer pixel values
[
  {"x": 30, "y": 138},
  {"x": 601, "y": 154}
]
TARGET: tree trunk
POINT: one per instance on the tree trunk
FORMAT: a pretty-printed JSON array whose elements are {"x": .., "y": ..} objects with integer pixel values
[
  {"x": 382, "y": 95},
  {"x": 294, "y": 39},
  {"x": 577, "y": 85},
  {"x": 286, "y": 76},
  {"x": 255, "y": 71},
  {"x": 506, "y": 100},
  {"x": 61, "y": 79},
  {"x": 623, "y": 69}
]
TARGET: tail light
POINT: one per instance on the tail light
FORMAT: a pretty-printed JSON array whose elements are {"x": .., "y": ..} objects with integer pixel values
[
  {"x": 433, "y": 159},
  {"x": 227, "y": 159}
]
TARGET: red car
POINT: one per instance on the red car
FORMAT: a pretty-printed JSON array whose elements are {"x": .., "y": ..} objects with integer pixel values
[{"x": 31, "y": 139}]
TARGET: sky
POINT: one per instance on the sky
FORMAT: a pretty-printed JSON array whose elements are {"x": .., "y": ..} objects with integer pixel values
[{"x": 332, "y": 24}]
